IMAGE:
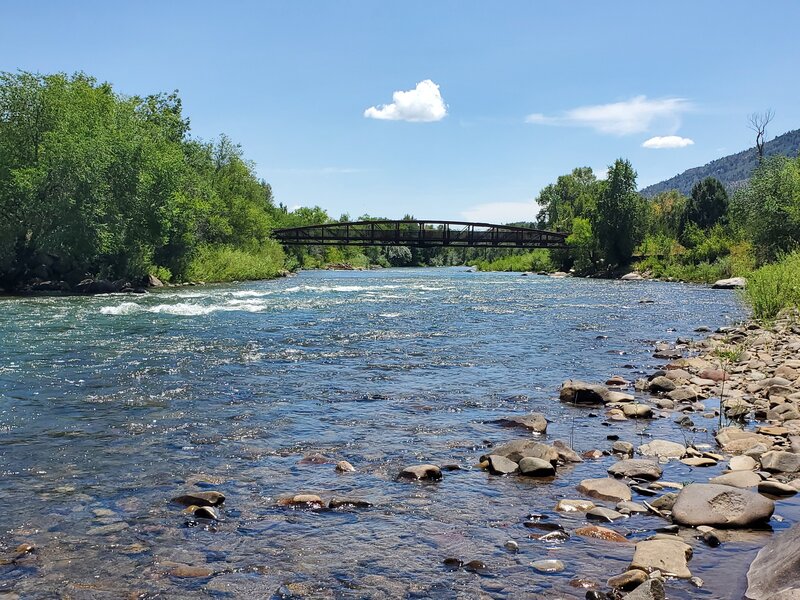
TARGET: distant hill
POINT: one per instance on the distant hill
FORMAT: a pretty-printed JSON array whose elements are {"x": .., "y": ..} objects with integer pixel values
[{"x": 733, "y": 170}]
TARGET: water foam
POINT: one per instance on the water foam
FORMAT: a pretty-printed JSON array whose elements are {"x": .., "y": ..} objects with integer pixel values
[{"x": 126, "y": 308}]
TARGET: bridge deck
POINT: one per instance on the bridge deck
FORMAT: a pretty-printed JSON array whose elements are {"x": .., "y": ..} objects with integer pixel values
[{"x": 424, "y": 234}]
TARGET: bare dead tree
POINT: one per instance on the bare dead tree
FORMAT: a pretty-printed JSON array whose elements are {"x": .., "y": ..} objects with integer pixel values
[{"x": 758, "y": 122}]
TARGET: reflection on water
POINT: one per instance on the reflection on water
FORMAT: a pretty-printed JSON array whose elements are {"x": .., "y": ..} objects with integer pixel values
[{"x": 112, "y": 405}]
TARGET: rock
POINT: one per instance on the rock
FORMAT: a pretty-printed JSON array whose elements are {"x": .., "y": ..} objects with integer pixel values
[
  {"x": 652, "y": 589},
  {"x": 662, "y": 449},
  {"x": 720, "y": 506},
  {"x": 601, "y": 513},
  {"x": 152, "y": 281},
  {"x": 729, "y": 284},
  {"x": 421, "y": 473},
  {"x": 500, "y": 465},
  {"x": 186, "y": 571},
  {"x": 200, "y": 499},
  {"x": 779, "y": 461},
  {"x": 565, "y": 453},
  {"x": 536, "y": 467},
  {"x": 628, "y": 580},
  {"x": 605, "y": 489},
  {"x": 622, "y": 448},
  {"x": 345, "y": 467},
  {"x": 637, "y": 411},
  {"x": 348, "y": 503},
  {"x": 636, "y": 468},
  {"x": 699, "y": 461},
  {"x": 574, "y": 505},
  {"x": 661, "y": 384},
  {"x": 669, "y": 556},
  {"x": 534, "y": 422},
  {"x": 665, "y": 502},
  {"x": 739, "y": 479},
  {"x": 683, "y": 394},
  {"x": 204, "y": 512},
  {"x": 742, "y": 463},
  {"x": 628, "y": 507},
  {"x": 600, "y": 533},
  {"x": 548, "y": 566},
  {"x": 476, "y": 566},
  {"x": 773, "y": 575},
  {"x": 574, "y": 391},
  {"x": 714, "y": 375},
  {"x": 511, "y": 546},
  {"x": 315, "y": 458},
  {"x": 593, "y": 454},
  {"x": 519, "y": 449},
  {"x": 775, "y": 488},
  {"x": 632, "y": 276},
  {"x": 303, "y": 500}
]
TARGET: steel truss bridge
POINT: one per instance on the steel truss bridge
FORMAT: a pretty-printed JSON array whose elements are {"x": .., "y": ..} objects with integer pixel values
[{"x": 422, "y": 234}]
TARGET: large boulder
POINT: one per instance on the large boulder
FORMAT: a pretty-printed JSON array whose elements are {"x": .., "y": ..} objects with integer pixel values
[
  {"x": 605, "y": 489},
  {"x": 775, "y": 572},
  {"x": 720, "y": 506},
  {"x": 670, "y": 556},
  {"x": 730, "y": 284},
  {"x": 574, "y": 391},
  {"x": 636, "y": 468},
  {"x": 519, "y": 449}
]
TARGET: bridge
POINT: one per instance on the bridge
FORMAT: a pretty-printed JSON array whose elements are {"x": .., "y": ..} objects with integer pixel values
[{"x": 422, "y": 234}]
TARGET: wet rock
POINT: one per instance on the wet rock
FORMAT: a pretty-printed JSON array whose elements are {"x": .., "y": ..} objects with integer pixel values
[
  {"x": 637, "y": 411},
  {"x": 742, "y": 463},
  {"x": 622, "y": 448},
  {"x": 652, "y": 589},
  {"x": 593, "y": 454},
  {"x": 303, "y": 501},
  {"x": 200, "y": 499},
  {"x": 628, "y": 507},
  {"x": 511, "y": 546},
  {"x": 565, "y": 453},
  {"x": 699, "y": 461},
  {"x": 421, "y": 473},
  {"x": 500, "y": 465},
  {"x": 536, "y": 467},
  {"x": 628, "y": 580},
  {"x": 775, "y": 488},
  {"x": 345, "y": 467},
  {"x": 574, "y": 391},
  {"x": 574, "y": 505},
  {"x": 476, "y": 566},
  {"x": 315, "y": 458},
  {"x": 779, "y": 461},
  {"x": 773, "y": 575},
  {"x": 548, "y": 566},
  {"x": 452, "y": 563},
  {"x": 604, "y": 514},
  {"x": 662, "y": 449},
  {"x": 553, "y": 536},
  {"x": 348, "y": 503},
  {"x": 669, "y": 556},
  {"x": 739, "y": 479},
  {"x": 187, "y": 571},
  {"x": 535, "y": 422},
  {"x": 600, "y": 533},
  {"x": 661, "y": 384},
  {"x": 720, "y": 506},
  {"x": 204, "y": 512},
  {"x": 519, "y": 449},
  {"x": 605, "y": 489},
  {"x": 636, "y": 468}
]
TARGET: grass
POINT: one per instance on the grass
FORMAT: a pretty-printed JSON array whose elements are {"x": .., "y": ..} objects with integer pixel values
[
  {"x": 224, "y": 263},
  {"x": 537, "y": 260},
  {"x": 774, "y": 287}
]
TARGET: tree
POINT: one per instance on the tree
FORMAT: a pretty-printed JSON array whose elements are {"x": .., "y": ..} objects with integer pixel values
[
  {"x": 708, "y": 203},
  {"x": 582, "y": 243},
  {"x": 758, "y": 122},
  {"x": 620, "y": 220}
]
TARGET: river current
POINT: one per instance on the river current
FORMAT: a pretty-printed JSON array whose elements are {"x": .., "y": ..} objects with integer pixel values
[{"x": 112, "y": 405}]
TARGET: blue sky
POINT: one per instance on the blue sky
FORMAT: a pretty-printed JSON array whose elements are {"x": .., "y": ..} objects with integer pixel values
[{"x": 526, "y": 90}]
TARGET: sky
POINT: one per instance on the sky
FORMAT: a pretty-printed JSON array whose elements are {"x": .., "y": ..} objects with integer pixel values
[{"x": 443, "y": 110}]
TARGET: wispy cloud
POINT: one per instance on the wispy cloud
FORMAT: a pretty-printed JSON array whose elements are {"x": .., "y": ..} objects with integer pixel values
[
  {"x": 501, "y": 212},
  {"x": 422, "y": 104},
  {"x": 636, "y": 115},
  {"x": 667, "y": 141}
]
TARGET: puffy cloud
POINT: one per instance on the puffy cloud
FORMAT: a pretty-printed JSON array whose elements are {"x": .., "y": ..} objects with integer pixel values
[
  {"x": 619, "y": 118},
  {"x": 422, "y": 104},
  {"x": 501, "y": 212},
  {"x": 667, "y": 141}
]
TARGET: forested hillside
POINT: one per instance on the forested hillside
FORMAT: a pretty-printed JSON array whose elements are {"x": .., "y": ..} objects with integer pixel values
[{"x": 733, "y": 170}]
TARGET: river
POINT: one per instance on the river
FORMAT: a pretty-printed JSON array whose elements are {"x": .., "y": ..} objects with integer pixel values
[{"x": 112, "y": 405}]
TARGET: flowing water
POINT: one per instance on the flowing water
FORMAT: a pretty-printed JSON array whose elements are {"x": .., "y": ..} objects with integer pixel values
[{"x": 112, "y": 405}]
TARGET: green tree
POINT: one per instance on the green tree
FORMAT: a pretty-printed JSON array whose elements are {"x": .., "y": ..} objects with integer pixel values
[
  {"x": 708, "y": 203},
  {"x": 583, "y": 244},
  {"x": 620, "y": 221}
]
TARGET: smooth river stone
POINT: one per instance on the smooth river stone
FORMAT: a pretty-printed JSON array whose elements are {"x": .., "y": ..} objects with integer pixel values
[
  {"x": 548, "y": 566},
  {"x": 636, "y": 468},
  {"x": 500, "y": 465},
  {"x": 720, "y": 506},
  {"x": 669, "y": 556},
  {"x": 536, "y": 467},
  {"x": 662, "y": 449},
  {"x": 421, "y": 472},
  {"x": 605, "y": 489}
]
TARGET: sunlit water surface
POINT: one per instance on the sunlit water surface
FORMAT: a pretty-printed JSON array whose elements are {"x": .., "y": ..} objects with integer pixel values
[{"x": 112, "y": 405}]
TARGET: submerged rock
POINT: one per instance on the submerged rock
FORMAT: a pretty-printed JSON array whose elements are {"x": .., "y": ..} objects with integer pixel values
[
  {"x": 548, "y": 566},
  {"x": 200, "y": 499},
  {"x": 535, "y": 422},
  {"x": 421, "y": 473},
  {"x": 720, "y": 506},
  {"x": 345, "y": 467}
]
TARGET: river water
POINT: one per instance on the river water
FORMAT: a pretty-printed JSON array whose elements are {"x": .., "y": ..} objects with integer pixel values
[{"x": 112, "y": 405}]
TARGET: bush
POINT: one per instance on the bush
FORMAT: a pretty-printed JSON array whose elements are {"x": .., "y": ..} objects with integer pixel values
[
  {"x": 225, "y": 263},
  {"x": 774, "y": 287},
  {"x": 537, "y": 260}
]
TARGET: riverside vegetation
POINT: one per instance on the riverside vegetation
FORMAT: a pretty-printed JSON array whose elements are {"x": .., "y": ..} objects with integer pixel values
[{"x": 96, "y": 184}]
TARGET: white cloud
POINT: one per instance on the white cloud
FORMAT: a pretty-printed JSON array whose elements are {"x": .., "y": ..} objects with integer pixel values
[
  {"x": 620, "y": 118},
  {"x": 667, "y": 141},
  {"x": 422, "y": 104},
  {"x": 501, "y": 212}
]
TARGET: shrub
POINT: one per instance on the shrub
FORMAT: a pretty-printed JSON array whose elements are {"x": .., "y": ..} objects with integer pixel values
[
  {"x": 225, "y": 263},
  {"x": 774, "y": 287}
]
